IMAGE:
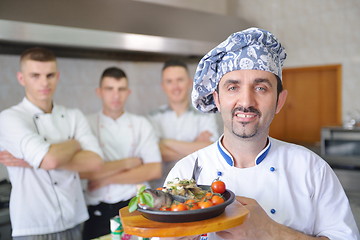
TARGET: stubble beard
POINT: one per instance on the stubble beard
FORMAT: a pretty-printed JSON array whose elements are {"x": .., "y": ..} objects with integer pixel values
[{"x": 244, "y": 131}]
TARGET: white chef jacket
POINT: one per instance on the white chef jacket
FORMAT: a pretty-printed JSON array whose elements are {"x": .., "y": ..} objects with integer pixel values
[
  {"x": 185, "y": 127},
  {"x": 44, "y": 201},
  {"x": 128, "y": 136},
  {"x": 292, "y": 184}
]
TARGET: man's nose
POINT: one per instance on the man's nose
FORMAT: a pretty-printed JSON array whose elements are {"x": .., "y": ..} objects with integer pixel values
[
  {"x": 246, "y": 98},
  {"x": 45, "y": 81}
]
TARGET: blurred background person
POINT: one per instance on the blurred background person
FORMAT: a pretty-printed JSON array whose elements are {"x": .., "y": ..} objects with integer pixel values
[
  {"x": 46, "y": 145},
  {"x": 131, "y": 151},
  {"x": 181, "y": 129}
]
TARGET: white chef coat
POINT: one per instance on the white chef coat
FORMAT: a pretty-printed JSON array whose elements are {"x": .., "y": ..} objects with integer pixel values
[
  {"x": 44, "y": 201},
  {"x": 292, "y": 184},
  {"x": 128, "y": 136},
  {"x": 185, "y": 127}
]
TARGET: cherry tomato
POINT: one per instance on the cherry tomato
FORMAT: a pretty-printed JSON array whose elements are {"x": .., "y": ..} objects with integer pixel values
[
  {"x": 208, "y": 195},
  {"x": 205, "y": 204},
  {"x": 165, "y": 208},
  {"x": 217, "y": 199},
  {"x": 193, "y": 206},
  {"x": 218, "y": 186},
  {"x": 179, "y": 207},
  {"x": 190, "y": 201}
]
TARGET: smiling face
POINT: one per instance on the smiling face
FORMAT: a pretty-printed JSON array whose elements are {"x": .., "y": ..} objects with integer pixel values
[
  {"x": 176, "y": 84},
  {"x": 39, "y": 80},
  {"x": 248, "y": 102},
  {"x": 113, "y": 93}
]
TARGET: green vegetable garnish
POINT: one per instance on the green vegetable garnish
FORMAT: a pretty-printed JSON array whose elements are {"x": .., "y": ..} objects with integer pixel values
[{"x": 141, "y": 197}]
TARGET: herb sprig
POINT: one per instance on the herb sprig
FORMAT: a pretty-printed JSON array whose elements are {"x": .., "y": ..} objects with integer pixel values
[{"x": 143, "y": 198}]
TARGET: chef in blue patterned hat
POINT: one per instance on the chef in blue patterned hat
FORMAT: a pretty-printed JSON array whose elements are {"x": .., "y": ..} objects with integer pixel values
[{"x": 290, "y": 191}]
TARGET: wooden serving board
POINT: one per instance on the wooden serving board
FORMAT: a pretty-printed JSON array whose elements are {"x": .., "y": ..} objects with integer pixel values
[{"x": 135, "y": 224}]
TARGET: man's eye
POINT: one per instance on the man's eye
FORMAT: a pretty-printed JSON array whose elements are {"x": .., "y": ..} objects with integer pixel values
[
  {"x": 260, "y": 89},
  {"x": 232, "y": 88}
]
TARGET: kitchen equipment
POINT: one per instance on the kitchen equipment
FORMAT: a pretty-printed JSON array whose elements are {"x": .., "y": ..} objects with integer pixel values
[{"x": 340, "y": 147}]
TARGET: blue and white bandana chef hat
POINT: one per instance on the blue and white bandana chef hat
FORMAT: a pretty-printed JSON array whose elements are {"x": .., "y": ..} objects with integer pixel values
[{"x": 251, "y": 49}]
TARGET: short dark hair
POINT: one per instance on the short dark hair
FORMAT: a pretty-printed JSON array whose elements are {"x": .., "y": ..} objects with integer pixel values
[
  {"x": 175, "y": 63},
  {"x": 38, "y": 54},
  {"x": 280, "y": 87},
  {"x": 113, "y": 72}
]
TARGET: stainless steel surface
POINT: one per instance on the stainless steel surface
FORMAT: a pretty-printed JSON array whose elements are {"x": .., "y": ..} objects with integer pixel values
[
  {"x": 341, "y": 146},
  {"x": 21, "y": 32},
  {"x": 124, "y": 25}
]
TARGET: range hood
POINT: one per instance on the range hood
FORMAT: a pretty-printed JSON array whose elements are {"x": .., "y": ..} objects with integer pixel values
[{"x": 112, "y": 26}]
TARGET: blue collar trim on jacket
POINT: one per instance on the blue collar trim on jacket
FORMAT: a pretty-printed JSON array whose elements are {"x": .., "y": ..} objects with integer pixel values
[{"x": 228, "y": 158}]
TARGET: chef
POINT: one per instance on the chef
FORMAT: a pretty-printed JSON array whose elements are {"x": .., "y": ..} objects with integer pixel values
[
  {"x": 181, "y": 129},
  {"x": 131, "y": 154},
  {"x": 52, "y": 144},
  {"x": 291, "y": 192}
]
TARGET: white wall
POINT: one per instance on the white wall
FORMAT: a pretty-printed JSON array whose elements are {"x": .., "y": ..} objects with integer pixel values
[
  {"x": 320, "y": 32},
  {"x": 314, "y": 33}
]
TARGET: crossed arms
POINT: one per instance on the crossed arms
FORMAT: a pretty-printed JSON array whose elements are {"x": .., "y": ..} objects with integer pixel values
[{"x": 173, "y": 150}]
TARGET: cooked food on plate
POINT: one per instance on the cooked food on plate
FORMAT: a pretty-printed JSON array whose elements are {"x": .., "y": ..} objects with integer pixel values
[{"x": 179, "y": 195}]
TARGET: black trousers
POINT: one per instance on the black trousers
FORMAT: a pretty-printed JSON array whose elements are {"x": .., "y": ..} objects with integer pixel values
[{"x": 99, "y": 221}]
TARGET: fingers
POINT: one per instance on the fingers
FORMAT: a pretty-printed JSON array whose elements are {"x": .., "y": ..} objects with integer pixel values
[
  {"x": 195, "y": 237},
  {"x": 224, "y": 235},
  {"x": 10, "y": 161},
  {"x": 204, "y": 136},
  {"x": 245, "y": 201}
]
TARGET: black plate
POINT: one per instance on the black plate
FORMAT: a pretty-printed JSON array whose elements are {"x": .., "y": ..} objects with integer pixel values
[{"x": 189, "y": 215}]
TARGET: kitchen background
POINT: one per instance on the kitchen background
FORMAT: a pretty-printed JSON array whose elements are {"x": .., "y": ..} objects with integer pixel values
[{"x": 314, "y": 33}]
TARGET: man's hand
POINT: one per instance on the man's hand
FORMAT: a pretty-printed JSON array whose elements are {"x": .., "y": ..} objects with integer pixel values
[
  {"x": 259, "y": 226},
  {"x": 96, "y": 184},
  {"x": 256, "y": 226},
  {"x": 196, "y": 237},
  {"x": 10, "y": 161},
  {"x": 204, "y": 137}
]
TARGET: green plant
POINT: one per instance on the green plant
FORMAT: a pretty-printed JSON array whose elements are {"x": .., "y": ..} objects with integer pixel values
[{"x": 142, "y": 198}]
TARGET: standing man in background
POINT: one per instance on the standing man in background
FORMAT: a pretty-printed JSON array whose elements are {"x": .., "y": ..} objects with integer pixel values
[
  {"x": 131, "y": 151},
  {"x": 46, "y": 145},
  {"x": 182, "y": 129}
]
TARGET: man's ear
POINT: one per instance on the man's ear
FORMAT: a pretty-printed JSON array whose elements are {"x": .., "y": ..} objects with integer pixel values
[
  {"x": 98, "y": 92},
  {"x": 20, "y": 78},
  {"x": 58, "y": 76},
  {"x": 281, "y": 100},
  {"x": 216, "y": 100}
]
